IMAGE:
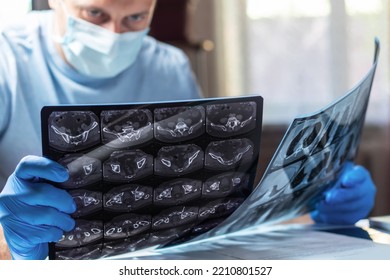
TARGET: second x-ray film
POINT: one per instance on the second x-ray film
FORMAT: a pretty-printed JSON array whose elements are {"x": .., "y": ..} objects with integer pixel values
[
  {"x": 308, "y": 161},
  {"x": 147, "y": 175}
]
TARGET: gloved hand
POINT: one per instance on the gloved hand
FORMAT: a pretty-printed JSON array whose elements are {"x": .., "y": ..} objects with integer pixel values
[
  {"x": 350, "y": 200},
  {"x": 32, "y": 212}
]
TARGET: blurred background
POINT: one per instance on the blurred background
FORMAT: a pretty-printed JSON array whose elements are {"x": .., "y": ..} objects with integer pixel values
[{"x": 298, "y": 54}]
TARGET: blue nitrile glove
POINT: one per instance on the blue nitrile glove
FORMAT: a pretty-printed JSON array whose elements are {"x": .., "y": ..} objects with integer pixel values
[
  {"x": 33, "y": 213},
  {"x": 350, "y": 200}
]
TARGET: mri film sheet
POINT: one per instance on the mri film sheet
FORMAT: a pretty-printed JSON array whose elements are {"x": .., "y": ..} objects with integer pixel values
[
  {"x": 308, "y": 161},
  {"x": 146, "y": 175}
]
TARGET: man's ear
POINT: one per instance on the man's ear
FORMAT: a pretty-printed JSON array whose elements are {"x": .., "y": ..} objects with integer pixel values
[{"x": 53, "y": 4}]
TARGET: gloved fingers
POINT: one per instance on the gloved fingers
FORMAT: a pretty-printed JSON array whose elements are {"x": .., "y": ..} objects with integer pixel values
[
  {"x": 343, "y": 213},
  {"x": 46, "y": 216},
  {"x": 32, "y": 167},
  {"x": 23, "y": 235},
  {"x": 348, "y": 218},
  {"x": 46, "y": 195},
  {"x": 38, "y": 252},
  {"x": 346, "y": 207},
  {"x": 350, "y": 200},
  {"x": 344, "y": 195},
  {"x": 348, "y": 166},
  {"x": 47, "y": 234},
  {"x": 315, "y": 216},
  {"x": 357, "y": 175}
]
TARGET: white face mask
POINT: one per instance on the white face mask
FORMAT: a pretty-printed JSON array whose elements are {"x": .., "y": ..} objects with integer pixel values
[{"x": 97, "y": 52}]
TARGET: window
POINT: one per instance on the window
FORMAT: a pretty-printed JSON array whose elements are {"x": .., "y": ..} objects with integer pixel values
[
  {"x": 13, "y": 10},
  {"x": 302, "y": 54}
]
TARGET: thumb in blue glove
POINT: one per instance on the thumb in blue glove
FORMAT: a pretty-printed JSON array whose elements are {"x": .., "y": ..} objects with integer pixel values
[
  {"x": 351, "y": 199},
  {"x": 32, "y": 212}
]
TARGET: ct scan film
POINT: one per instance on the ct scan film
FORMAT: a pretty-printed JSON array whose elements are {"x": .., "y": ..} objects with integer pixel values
[
  {"x": 307, "y": 162},
  {"x": 150, "y": 175}
]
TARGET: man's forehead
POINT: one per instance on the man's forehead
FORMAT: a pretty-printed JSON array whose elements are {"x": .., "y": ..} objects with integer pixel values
[{"x": 107, "y": 3}]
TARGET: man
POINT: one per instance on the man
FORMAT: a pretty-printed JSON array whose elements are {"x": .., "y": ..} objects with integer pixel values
[{"x": 94, "y": 51}]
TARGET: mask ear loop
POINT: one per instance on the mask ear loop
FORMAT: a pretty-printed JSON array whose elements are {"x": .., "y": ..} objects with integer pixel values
[
  {"x": 58, "y": 38},
  {"x": 65, "y": 8}
]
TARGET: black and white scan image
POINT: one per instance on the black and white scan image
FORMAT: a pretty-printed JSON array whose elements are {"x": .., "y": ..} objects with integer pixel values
[
  {"x": 84, "y": 233},
  {"x": 83, "y": 170},
  {"x": 85, "y": 253},
  {"x": 225, "y": 120},
  {"x": 73, "y": 130},
  {"x": 169, "y": 235},
  {"x": 127, "y": 166},
  {"x": 227, "y": 154},
  {"x": 127, "y": 225},
  {"x": 308, "y": 135},
  {"x": 219, "y": 208},
  {"x": 151, "y": 175},
  {"x": 126, "y": 128},
  {"x": 128, "y": 198},
  {"x": 177, "y": 192},
  {"x": 175, "y": 217},
  {"x": 178, "y": 160},
  {"x": 87, "y": 202},
  {"x": 225, "y": 184},
  {"x": 176, "y": 124},
  {"x": 126, "y": 245},
  {"x": 307, "y": 162},
  {"x": 207, "y": 225}
]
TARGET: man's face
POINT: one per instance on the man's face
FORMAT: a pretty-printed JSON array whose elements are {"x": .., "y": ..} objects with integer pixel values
[{"x": 118, "y": 16}]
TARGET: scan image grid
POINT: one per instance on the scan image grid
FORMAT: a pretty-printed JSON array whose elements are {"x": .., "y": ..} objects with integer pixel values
[{"x": 151, "y": 174}]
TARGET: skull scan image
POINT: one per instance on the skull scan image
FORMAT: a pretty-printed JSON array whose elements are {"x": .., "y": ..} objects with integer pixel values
[
  {"x": 83, "y": 170},
  {"x": 313, "y": 170},
  {"x": 127, "y": 166},
  {"x": 179, "y": 123},
  {"x": 227, "y": 154},
  {"x": 319, "y": 167},
  {"x": 126, "y": 128},
  {"x": 230, "y": 119},
  {"x": 126, "y": 225},
  {"x": 175, "y": 217},
  {"x": 300, "y": 140},
  {"x": 128, "y": 198},
  {"x": 274, "y": 185},
  {"x": 88, "y": 202},
  {"x": 335, "y": 131},
  {"x": 178, "y": 160},
  {"x": 73, "y": 131},
  {"x": 177, "y": 192},
  {"x": 225, "y": 184},
  {"x": 84, "y": 233},
  {"x": 341, "y": 152}
]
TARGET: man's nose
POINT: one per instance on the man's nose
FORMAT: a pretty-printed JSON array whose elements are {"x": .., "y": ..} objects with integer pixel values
[{"x": 115, "y": 27}]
